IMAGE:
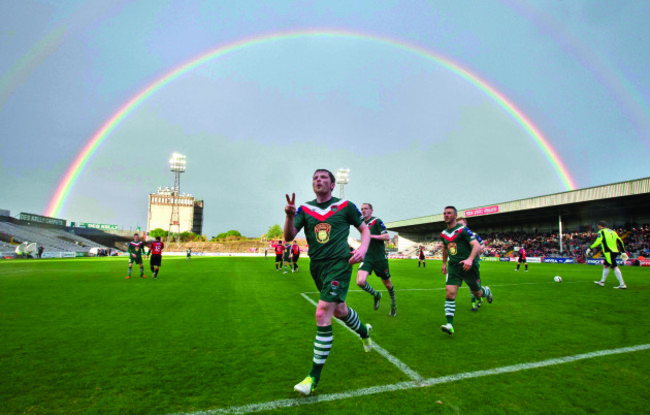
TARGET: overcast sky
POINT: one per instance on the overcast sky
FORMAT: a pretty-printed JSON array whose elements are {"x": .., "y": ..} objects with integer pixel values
[{"x": 257, "y": 122}]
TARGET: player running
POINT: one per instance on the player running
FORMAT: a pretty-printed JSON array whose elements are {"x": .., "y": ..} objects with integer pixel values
[
  {"x": 421, "y": 258},
  {"x": 135, "y": 251},
  {"x": 462, "y": 249},
  {"x": 295, "y": 251},
  {"x": 155, "y": 255},
  {"x": 476, "y": 302},
  {"x": 376, "y": 259},
  {"x": 522, "y": 258},
  {"x": 279, "y": 250},
  {"x": 611, "y": 246},
  {"x": 326, "y": 221}
]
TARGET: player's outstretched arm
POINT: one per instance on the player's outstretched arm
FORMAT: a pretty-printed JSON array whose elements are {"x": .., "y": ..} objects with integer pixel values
[
  {"x": 360, "y": 253},
  {"x": 290, "y": 231}
]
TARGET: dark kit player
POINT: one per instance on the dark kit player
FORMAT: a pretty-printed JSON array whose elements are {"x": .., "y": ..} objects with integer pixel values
[{"x": 155, "y": 256}]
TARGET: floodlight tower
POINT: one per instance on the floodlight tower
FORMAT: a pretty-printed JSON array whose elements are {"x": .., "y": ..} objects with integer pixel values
[
  {"x": 177, "y": 165},
  {"x": 342, "y": 178}
]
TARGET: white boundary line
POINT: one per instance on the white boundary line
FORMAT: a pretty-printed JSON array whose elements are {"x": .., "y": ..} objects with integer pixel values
[
  {"x": 287, "y": 403},
  {"x": 462, "y": 288},
  {"x": 412, "y": 374}
]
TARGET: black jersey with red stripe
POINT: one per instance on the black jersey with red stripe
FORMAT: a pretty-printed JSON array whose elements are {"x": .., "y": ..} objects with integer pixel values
[{"x": 522, "y": 253}]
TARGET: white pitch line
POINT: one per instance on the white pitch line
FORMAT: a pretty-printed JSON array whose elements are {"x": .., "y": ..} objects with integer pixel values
[
  {"x": 412, "y": 374},
  {"x": 287, "y": 403},
  {"x": 462, "y": 288}
]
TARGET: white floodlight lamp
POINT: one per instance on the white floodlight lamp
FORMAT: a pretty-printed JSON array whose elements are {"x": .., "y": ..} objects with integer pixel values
[
  {"x": 178, "y": 163},
  {"x": 343, "y": 176}
]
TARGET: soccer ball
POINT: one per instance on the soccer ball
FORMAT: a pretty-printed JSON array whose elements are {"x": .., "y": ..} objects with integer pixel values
[{"x": 557, "y": 278}]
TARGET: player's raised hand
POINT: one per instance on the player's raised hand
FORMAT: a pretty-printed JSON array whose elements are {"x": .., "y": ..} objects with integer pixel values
[{"x": 290, "y": 208}]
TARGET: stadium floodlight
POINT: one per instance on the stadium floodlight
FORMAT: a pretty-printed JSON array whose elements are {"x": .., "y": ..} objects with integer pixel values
[
  {"x": 342, "y": 178},
  {"x": 177, "y": 163}
]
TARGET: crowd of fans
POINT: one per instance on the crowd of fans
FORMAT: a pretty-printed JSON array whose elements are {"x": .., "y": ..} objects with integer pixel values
[{"x": 574, "y": 243}]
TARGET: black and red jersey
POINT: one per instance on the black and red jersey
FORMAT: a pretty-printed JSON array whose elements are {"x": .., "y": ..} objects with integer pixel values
[
  {"x": 522, "y": 253},
  {"x": 279, "y": 249},
  {"x": 156, "y": 248},
  {"x": 295, "y": 249}
]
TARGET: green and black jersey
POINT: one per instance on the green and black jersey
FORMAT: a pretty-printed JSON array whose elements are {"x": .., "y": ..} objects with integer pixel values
[
  {"x": 327, "y": 227},
  {"x": 609, "y": 241},
  {"x": 376, "y": 249},
  {"x": 136, "y": 248},
  {"x": 458, "y": 240}
]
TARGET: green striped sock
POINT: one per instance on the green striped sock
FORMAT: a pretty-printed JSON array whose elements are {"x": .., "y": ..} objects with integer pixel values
[
  {"x": 322, "y": 346},
  {"x": 450, "y": 309},
  {"x": 486, "y": 291},
  {"x": 369, "y": 290},
  {"x": 391, "y": 292},
  {"x": 352, "y": 321}
]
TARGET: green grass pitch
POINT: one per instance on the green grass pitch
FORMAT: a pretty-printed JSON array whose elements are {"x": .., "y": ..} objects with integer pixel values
[{"x": 220, "y": 333}]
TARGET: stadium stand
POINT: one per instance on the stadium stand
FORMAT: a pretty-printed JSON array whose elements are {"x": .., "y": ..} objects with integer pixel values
[
  {"x": 536, "y": 222},
  {"x": 50, "y": 238}
]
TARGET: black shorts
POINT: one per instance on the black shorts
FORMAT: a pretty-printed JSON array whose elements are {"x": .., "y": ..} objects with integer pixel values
[
  {"x": 421, "y": 257},
  {"x": 295, "y": 257},
  {"x": 522, "y": 260},
  {"x": 155, "y": 260},
  {"x": 610, "y": 259},
  {"x": 278, "y": 258}
]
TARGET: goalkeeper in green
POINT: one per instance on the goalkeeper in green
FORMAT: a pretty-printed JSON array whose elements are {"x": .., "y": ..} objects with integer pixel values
[{"x": 611, "y": 246}]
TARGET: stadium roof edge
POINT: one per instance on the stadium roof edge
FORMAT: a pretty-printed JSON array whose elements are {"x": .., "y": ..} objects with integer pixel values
[{"x": 618, "y": 189}]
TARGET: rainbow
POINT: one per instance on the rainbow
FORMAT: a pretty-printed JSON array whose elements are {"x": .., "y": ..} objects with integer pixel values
[{"x": 90, "y": 148}]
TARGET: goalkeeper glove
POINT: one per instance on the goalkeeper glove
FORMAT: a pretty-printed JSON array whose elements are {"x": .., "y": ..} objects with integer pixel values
[
  {"x": 587, "y": 251},
  {"x": 624, "y": 257}
]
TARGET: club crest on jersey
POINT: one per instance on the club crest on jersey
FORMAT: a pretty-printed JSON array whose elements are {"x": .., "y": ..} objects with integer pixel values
[
  {"x": 335, "y": 285},
  {"x": 322, "y": 231},
  {"x": 452, "y": 249}
]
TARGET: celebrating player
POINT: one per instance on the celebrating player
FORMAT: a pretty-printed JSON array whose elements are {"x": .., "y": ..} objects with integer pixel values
[
  {"x": 611, "y": 245},
  {"x": 421, "y": 257},
  {"x": 376, "y": 259},
  {"x": 462, "y": 249},
  {"x": 155, "y": 255},
  {"x": 295, "y": 250},
  {"x": 327, "y": 221},
  {"x": 135, "y": 251}
]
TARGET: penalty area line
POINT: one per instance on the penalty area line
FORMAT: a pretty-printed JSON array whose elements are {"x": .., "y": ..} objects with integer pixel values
[{"x": 288, "y": 403}]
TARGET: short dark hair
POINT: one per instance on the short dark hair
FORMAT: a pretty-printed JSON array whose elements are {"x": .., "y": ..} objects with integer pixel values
[
  {"x": 332, "y": 178},
  {"x": 369, "y": 204},
  {"x": 452, "y": 207},
  {"x": 158, "y": 238},
  {"x": 135, "y": 234},
  {"x": 602, "y": 223}
]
